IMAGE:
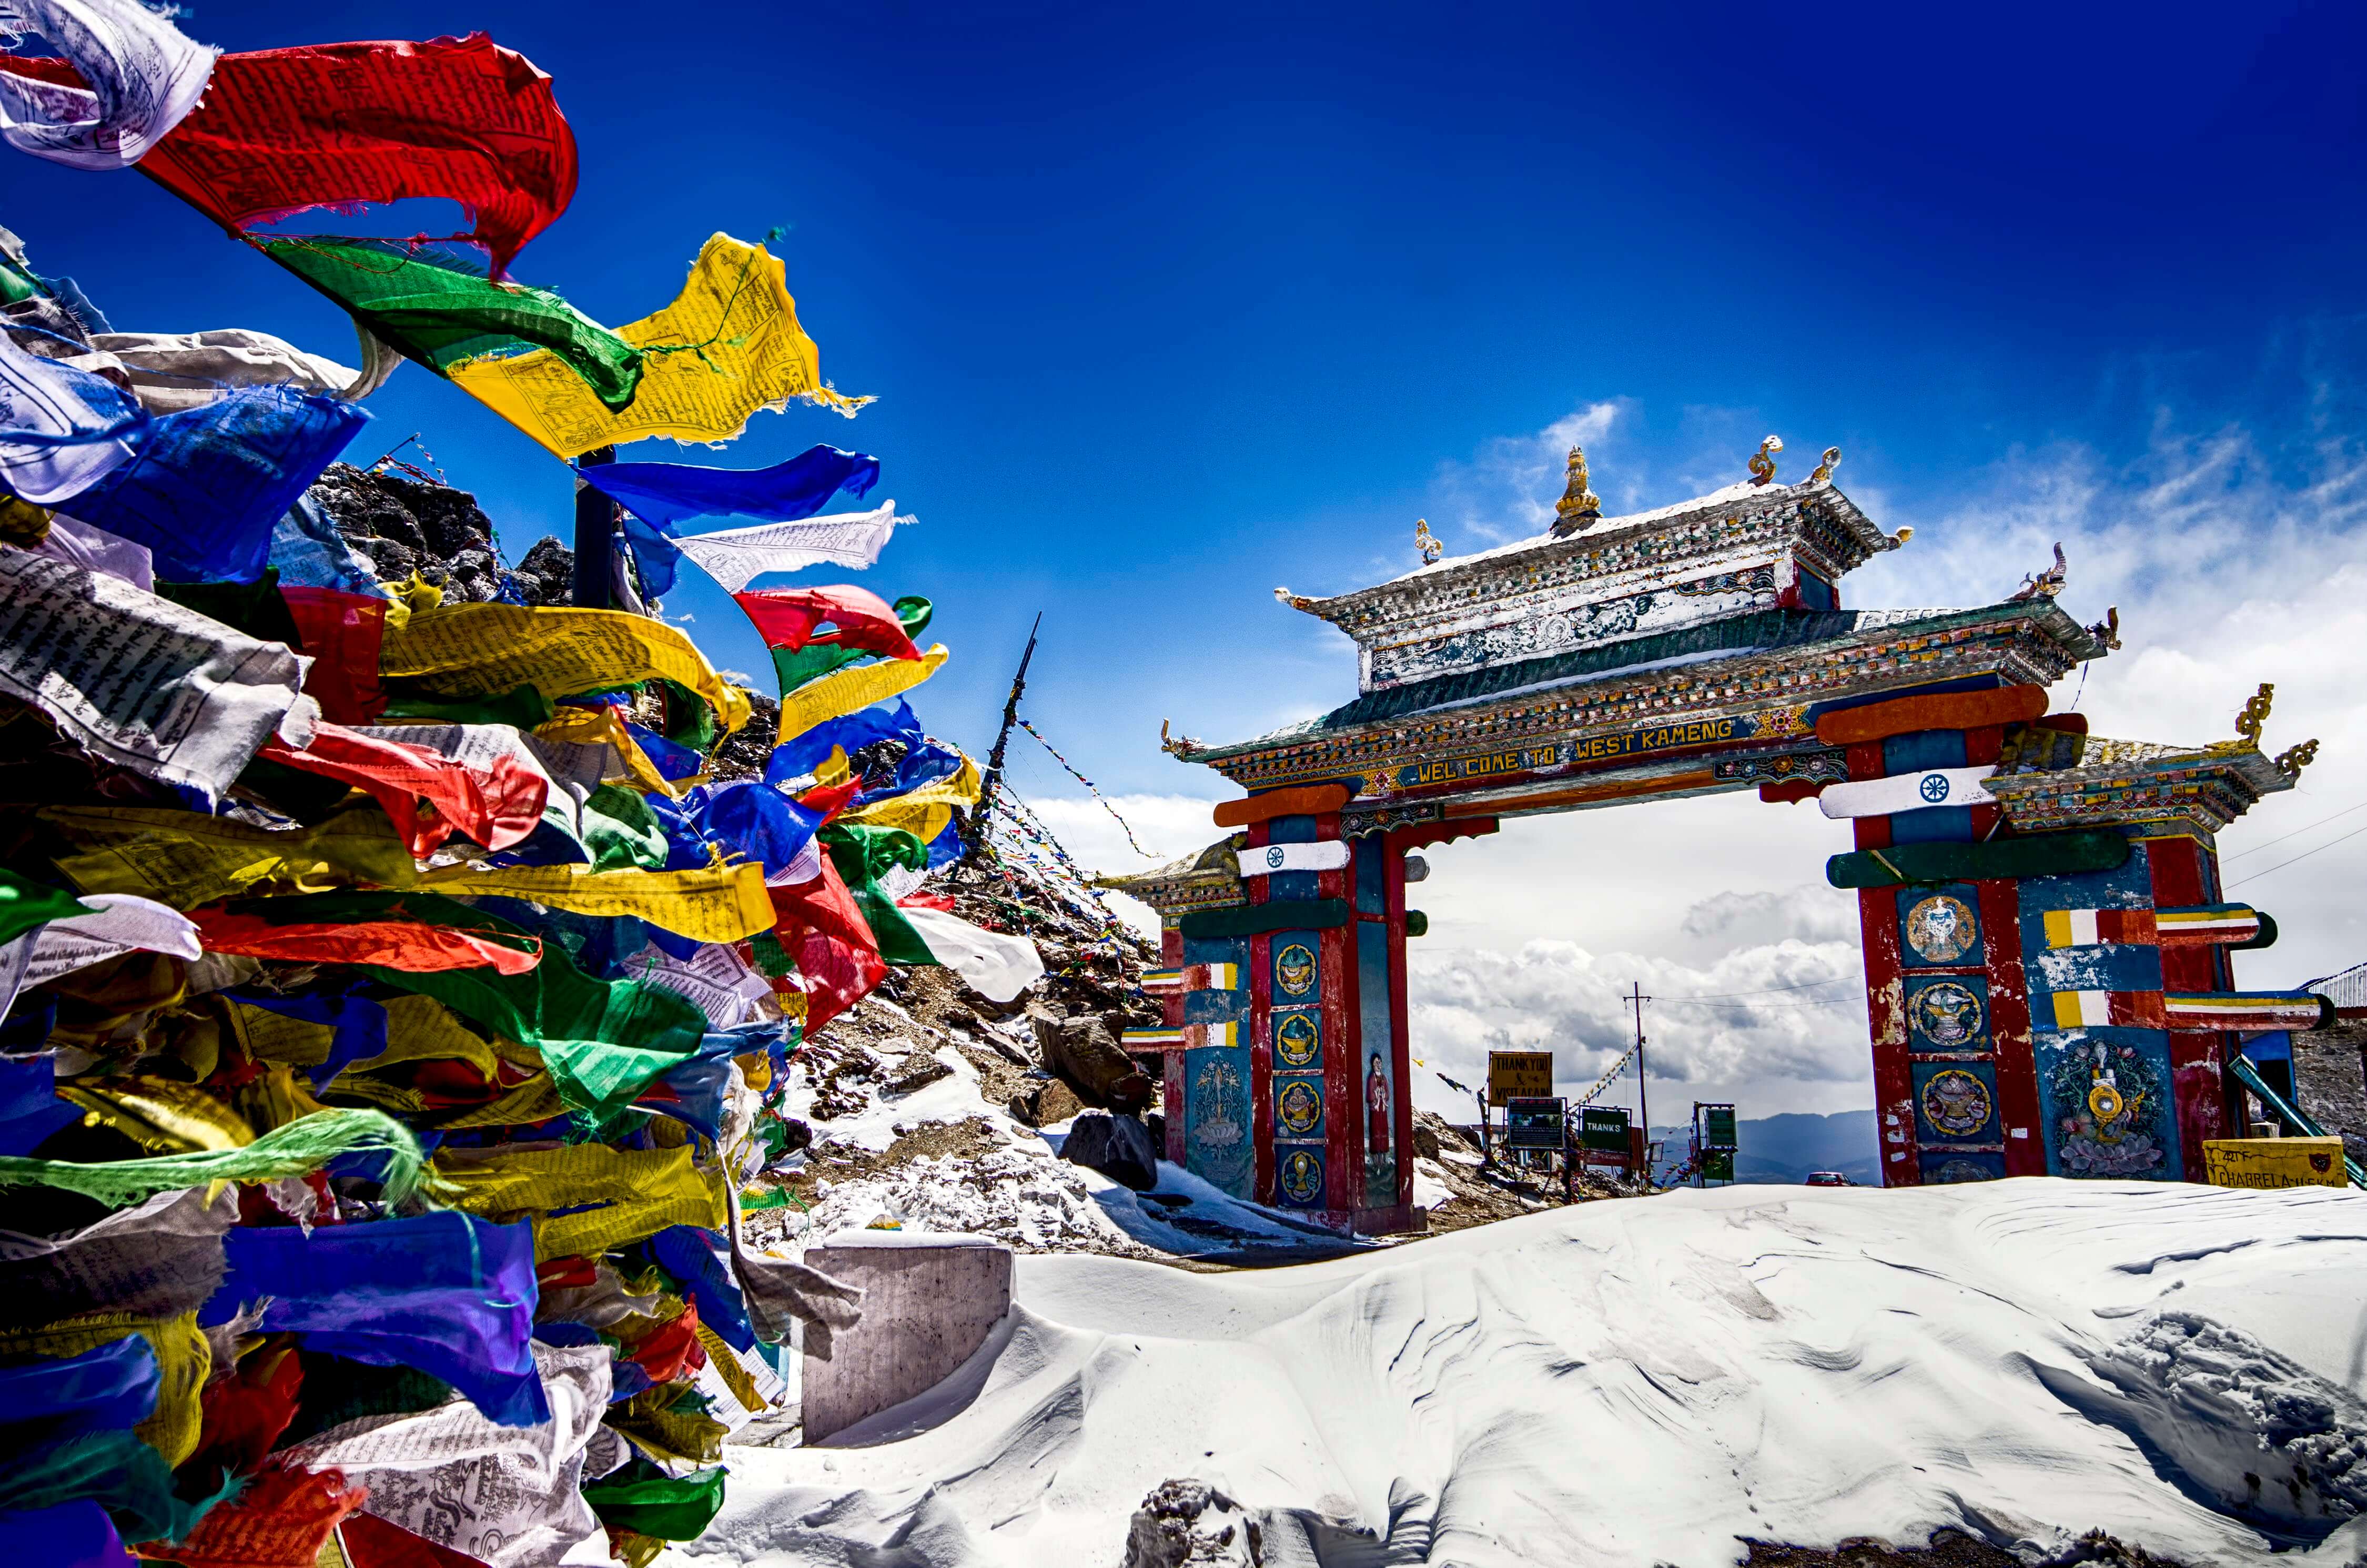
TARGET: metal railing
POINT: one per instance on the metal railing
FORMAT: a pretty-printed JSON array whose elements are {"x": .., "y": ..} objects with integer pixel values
[{"x": 2347, "y": 989}]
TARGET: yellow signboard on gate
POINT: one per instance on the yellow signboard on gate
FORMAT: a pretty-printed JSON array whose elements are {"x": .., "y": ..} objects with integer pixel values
[
  {"x": 1519, "y": 1075},
  {"x": 2274, "y": 1161}
]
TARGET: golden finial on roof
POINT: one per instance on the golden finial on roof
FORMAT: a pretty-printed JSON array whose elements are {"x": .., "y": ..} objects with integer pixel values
[
  {"x": 1824, "y": 471},
  {"x": 1579, "y": 509},
  {"x": 1177, "y": 745},
  {"x": 2255, "y": 716},
  {"x": 1427, "y": 542},
  {"x": 2108, "y": 630},
  {"x": 2291, "y": 762},
  {"x": 2046, "y": 585},
  {"x": 1762, "y": 462}
]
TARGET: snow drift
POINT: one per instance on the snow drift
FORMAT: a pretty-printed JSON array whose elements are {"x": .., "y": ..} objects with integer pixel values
[{"x": 1649, "y": 1381}]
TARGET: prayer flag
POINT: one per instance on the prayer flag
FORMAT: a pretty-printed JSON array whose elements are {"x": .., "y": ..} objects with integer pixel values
[
  {"x": 667, "y": 493},
  {"x": 824, "y": 932},
  {"x": 496, "y": 801},
  {"x": 476, "y": 650},
  {"x": 736, "y": 557},
  {"x": 285, "y": 130},
  {"x": 126, "y": 78},
  {"x": 998, "y": 965},
  {"x": 728, "y": 345},
  {"x": 786, "y": 618},
  {"x": 205, "y": 488},
  {"x": 61, "y": 430},
  {"x": 173, "y": 371},
  {"x": 846, "y": 690},
  {"x": 444, "y": 317}
]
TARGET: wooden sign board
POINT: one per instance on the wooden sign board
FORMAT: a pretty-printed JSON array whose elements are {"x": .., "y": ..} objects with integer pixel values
[
  {"x": 1717, "y": 1128},
  {"x": 2274, "y": 1161},
  {"x": 1519, "y": 1075}
]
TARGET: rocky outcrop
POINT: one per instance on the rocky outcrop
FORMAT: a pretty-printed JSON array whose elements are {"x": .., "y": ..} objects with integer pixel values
[{"x": 1117, "y": 1146}]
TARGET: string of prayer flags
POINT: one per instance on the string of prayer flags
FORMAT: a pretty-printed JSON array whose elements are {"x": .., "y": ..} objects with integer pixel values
[
  {"x": 848, "y": 689},
  {"x": 125, "y": 77},
  {"x": 815, "y": 654},
  {"x": 480, "y": 650},
  {"x": 668, "y": 493},
  {"x": 737, "y": 557},
  {"x": 444, "y": 317},
  {"x": 61, "y": 430},
  {"x": 138, "y": 681},
  {"x": 273, "y": 928},
  {"x": 205, "y": 487},
  {"x": 286, "y": 130},
  {"x": 728, "y": 345}
]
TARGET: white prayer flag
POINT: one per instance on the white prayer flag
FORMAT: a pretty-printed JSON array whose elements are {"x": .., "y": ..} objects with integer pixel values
[
  {"x": 142, "y": 77},
  {"x": 736, "y": 557}
]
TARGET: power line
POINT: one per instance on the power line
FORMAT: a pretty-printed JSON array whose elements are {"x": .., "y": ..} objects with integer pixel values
[
  {"x": 2297, "y": 859},
  {"x": 2296, "y": 832},
  {"x": 1770, "y": 991}
]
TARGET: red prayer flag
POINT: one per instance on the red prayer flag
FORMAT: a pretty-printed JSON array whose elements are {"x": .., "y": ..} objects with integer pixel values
[
  {"x": 345, "y": 635},
  {"x": 821, "y": 928},
  {"x": 426, "y": 794},
  {"x": 786, "y": 618},
  {"x": 282, "y": 130},
  {"x": 371, "y": 1542},
  {"x": 411, "y": 946},
  {"x": 281, "y": 1521}
]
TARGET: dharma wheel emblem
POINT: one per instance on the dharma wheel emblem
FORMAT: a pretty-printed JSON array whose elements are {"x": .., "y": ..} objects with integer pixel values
[
  {"x": 1934, "y": 787},
  {"x": 1273, "y": 857}
]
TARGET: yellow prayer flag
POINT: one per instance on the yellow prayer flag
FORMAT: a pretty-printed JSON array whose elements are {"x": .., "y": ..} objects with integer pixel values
[
  {"x": 162, "y": 1116},
  {"x": 817, "y": 701},
  {"x": 182, "y": 1360},
  {"x": 728, "y": 345},
  {"x": 711, "y": 904},
  {"x": 605, "y": 726},
  {"x": 481, "y": 649},
  {"x": 183, "y": 859},
  {"x": 923, "y": 813},
  {"x": 641, "y": 1192}
]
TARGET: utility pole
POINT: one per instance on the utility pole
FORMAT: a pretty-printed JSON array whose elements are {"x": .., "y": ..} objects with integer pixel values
[
  {"x": 1001, "y": 740},
  {"x": 1643, "y": 1093},
  {"x": 596, "y": 532}
]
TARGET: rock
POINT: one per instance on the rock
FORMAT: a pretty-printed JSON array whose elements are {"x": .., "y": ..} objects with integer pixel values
[
  {"x": 1081, "y": 1051},
  {"x": 1044, "y": 1104},
  {"x": 1189, "y": 1524},
  {"x": 1117, "y": 1146},
  {"x": 745, "y": 751},
  {"x": 926, "y": 1070},
  {"x": 1425, "y": 1141},
  {"x": 1156, "y": 1125},
  {"x": 403, "y": 524}
]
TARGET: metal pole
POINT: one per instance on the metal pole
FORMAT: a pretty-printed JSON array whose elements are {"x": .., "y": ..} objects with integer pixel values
[
  {"x": 1643, "y": 1093},
  {"x": 1001, "y": 740},
  {"x": 596, "y": 532}
]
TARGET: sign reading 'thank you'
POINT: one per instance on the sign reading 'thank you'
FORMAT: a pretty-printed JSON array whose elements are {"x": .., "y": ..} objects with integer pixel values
[{"x": 1563, "y": 754}]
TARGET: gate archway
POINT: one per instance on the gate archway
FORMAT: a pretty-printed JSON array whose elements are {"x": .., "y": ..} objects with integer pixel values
[{"x": 2046, "y": 952}]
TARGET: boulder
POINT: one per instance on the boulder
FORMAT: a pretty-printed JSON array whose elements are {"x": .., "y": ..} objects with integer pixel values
[
  {"x": 1080, "y": 1051},
  {"x": 1043, "y": 1104},
  {"x": 1117, "y": 1146},
  {"x": 1190, "y": 1524}
]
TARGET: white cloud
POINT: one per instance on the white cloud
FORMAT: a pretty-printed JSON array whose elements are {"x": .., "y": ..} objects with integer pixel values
[{"x": 1508, "y": 489}]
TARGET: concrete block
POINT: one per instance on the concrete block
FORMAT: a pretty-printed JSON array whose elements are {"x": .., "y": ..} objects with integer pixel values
[{"x": 929, "y": 1303}]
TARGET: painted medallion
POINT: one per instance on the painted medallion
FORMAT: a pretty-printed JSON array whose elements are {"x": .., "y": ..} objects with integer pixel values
[
  {"x": 1300, "y": 1176},
  {"x": 1299, "y": 1109},
  {"x": 1940, "y": 929},
  {"x": 1956, "y": 1103},
  {"x": 1948, "y": 1016},
  {"x": 1295, "y": 1040},
  {"x": 1293, "y": 970}
]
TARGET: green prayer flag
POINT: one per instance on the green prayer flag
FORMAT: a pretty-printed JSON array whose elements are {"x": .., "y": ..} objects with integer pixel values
[
  {"x": 603, "y": 1040},
  {"x": 25, "y": 903},
  {"x": 863, "y": 855},
  {"x": 797, "y": 667},
  {"x": 442, "y": 317},
  {"x": 645, "y": 1499},
  {"x": 620, "y": 831},
  {"x": 524, "y": 708}
]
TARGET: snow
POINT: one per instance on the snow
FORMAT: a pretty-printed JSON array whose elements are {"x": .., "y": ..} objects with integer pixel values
[{"x": 1646, "y": 1380}]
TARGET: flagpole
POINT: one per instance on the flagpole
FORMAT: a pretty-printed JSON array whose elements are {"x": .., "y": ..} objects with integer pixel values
[
  {"x": 1001, "y": 740},
  {"x": 596, "y": 532}
]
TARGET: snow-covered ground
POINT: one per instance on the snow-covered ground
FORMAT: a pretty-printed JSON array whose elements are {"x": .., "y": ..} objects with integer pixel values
[{"x": 1646, "y": 1381}]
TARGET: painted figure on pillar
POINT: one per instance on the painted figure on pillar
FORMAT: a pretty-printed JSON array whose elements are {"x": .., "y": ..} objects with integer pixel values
[
  {"x": 1939, "y": 929},
  {"x": 1377, "y": 1108}
]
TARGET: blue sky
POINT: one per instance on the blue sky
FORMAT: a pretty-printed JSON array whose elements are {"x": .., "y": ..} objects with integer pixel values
[{"x": 1166, "y": 307}]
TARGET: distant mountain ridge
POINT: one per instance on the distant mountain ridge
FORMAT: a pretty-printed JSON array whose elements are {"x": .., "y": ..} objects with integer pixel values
[{"x": 1784, "y": 1149}]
